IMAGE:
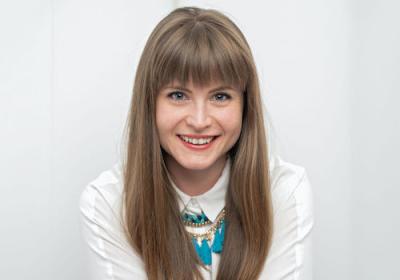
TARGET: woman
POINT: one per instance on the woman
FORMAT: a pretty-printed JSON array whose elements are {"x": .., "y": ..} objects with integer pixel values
[{"x": 198, "y": 196}]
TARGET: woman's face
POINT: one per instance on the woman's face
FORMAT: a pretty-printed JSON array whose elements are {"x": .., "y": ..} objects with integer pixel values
[{"x": 198, "y": 115}]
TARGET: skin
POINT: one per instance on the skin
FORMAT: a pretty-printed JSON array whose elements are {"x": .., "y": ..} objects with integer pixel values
[{"x": 200, "y": 111}]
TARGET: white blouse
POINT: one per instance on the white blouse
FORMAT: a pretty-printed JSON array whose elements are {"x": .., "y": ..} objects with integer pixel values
[{"x": 110, "y": 257}]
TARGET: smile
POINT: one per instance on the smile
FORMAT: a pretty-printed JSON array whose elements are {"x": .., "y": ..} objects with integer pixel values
[{"x": 197, "y": 143}]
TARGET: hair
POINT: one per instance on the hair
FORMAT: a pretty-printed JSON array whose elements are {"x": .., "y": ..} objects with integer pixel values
[{"x": 201, "y": 45}]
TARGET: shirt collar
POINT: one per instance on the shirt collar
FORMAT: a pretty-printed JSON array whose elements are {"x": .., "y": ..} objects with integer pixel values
[{"x": 213, "y": 200}]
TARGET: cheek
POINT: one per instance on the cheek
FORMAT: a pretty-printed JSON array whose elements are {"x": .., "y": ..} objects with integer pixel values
[
  {"x": 165, "y": 119},
  {"x": 161, "y": 123},
  {"x": 231, "y": 120}
]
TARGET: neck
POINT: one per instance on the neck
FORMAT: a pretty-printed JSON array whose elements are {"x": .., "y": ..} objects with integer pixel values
[{"x": 195, "y": 182}]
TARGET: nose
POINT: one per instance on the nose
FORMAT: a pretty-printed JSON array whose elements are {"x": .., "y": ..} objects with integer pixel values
[{"x": 199, "y": 117}]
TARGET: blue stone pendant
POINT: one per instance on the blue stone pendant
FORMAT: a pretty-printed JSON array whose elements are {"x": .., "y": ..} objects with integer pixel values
[
  {"x": 204, "y": 251},
  {"x": 218, "y": 243},
  {"x": 200, "y": 242}
]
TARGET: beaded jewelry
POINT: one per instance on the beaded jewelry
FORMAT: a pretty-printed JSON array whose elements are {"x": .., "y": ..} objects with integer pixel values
[
  {"x": 195, "y": 220},
  {"x": 200, "y": 241}
]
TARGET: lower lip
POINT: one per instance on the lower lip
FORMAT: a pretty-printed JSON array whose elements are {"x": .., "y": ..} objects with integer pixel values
[{"x": 198, "y": 147}]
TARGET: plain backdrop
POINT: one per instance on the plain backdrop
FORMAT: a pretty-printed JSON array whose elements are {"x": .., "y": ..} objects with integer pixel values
[{"x": 329, "y": 74}]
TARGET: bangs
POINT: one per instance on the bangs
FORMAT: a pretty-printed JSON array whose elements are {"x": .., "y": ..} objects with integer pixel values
[{"x": 200, "y": 53}]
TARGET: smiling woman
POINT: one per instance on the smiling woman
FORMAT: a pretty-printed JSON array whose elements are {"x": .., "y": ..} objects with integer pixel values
[
  {"x": 197, "y": 195},
  {"x": 197, "y": 131}
]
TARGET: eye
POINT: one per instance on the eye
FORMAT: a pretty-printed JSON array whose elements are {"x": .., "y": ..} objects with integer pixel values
[
  {"x": 176, "y": 96},
  {"x": 222, "y": 96}
]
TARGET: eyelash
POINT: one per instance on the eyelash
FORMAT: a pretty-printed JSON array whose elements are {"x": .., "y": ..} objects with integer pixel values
[{"x": 227, "y": 96}]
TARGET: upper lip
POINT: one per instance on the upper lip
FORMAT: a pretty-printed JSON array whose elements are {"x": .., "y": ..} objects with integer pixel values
[{"x": 197, "y": 136}]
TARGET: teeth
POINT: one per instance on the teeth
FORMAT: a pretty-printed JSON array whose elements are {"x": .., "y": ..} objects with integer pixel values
[{"x": 196, "y": 141}]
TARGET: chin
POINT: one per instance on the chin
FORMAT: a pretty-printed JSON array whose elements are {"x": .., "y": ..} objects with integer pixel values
[{"x": 196, "y": 164}]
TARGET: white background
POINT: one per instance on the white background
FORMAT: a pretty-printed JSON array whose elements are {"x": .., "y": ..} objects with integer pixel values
[{"x": 329, "y": 72}]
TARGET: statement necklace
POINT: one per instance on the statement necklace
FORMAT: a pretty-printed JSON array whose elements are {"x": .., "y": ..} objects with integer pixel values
[{"x": 200, "y": 240}]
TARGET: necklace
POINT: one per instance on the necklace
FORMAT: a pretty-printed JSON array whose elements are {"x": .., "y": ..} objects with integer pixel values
[
  {"x": 200, "y": 240},
  {"x": 192, "y": 220}
]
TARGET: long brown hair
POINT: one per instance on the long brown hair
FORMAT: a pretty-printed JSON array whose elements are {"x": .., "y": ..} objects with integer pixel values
[{"x": 200, "y": 45}]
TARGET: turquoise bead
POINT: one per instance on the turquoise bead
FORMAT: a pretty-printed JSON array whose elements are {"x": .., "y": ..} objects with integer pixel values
[{"x": 204, "y": 251}]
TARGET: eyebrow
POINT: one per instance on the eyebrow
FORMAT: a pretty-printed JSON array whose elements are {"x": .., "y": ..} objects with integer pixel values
[{"x": 188, "y": 90}]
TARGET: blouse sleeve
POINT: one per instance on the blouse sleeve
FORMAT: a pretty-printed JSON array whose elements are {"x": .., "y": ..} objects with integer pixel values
[
  {"x": 290, "y": 256},
  {"x": 108, "y": 255}
]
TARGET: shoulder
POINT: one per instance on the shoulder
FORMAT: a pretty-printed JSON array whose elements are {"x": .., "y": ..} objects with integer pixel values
[
  {"x": 292, "y": 200},
  {"x": 290, "y": 181},
  {"x": 102, "y": 197},
  {"x": 110, "y": 253}
]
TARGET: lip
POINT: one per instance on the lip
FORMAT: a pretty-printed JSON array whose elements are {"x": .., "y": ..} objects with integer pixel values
[
  {"x": 198, "y": 147},
  {"x": 197, "y": 136}
]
